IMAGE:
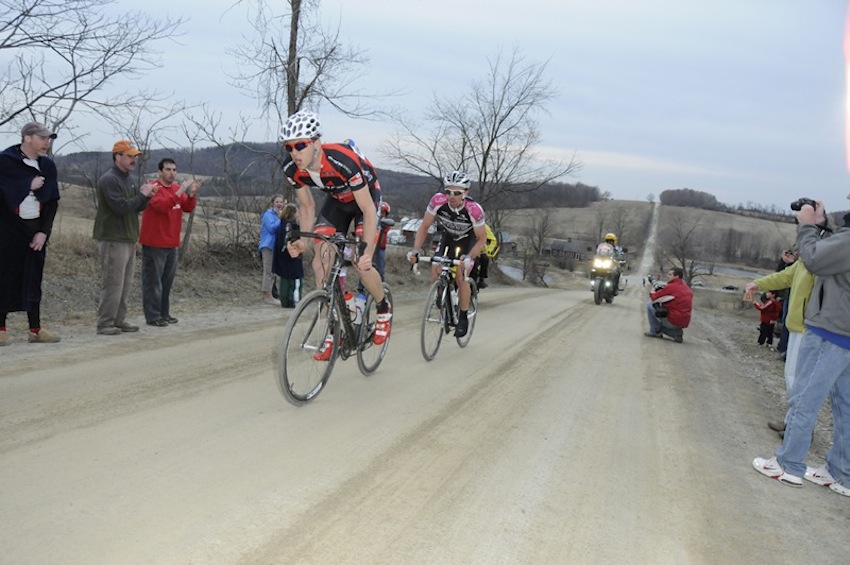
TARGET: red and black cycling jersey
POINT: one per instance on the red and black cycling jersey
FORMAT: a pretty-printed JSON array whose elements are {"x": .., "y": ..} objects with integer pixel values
[{"x": 344, "y": 170}]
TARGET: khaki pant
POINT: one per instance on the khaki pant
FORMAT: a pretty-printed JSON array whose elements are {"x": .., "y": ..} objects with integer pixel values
[{"x": 117, "y": 264}]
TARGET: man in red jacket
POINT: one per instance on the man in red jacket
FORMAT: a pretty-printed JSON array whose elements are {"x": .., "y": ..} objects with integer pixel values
[
  {"x": 678, "y": 307},
  {"x": 162, "y": 221}
]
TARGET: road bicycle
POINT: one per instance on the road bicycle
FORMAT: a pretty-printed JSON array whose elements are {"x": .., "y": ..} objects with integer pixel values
[
  {"x": 321, "y": 314},
  {"x": 442, "y": 308}
]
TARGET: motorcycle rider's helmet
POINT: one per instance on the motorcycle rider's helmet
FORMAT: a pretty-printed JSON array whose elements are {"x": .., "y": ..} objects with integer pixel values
[
  {"x": 611, "y": 238},
  {"x": 301, "y": 125},
  {"x": 457, "y": 178}
]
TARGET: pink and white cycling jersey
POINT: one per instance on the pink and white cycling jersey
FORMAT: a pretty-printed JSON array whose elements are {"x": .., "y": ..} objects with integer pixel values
[{"x": 457, "y": 223}]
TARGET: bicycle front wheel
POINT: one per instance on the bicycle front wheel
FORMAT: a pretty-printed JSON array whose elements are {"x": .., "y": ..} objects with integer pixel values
[
  {"x": 432, "y": 322},
  {"x": 301, "y": 373},
  {"x": 471, "y": 314},
  {"x": 369, "y": 355}
]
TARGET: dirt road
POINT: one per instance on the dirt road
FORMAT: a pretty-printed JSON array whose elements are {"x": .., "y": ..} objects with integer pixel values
[{"x": 560, "y": 435}]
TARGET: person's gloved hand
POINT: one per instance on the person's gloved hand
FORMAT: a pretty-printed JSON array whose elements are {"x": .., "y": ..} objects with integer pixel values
[{"x": 467, "y": 263}]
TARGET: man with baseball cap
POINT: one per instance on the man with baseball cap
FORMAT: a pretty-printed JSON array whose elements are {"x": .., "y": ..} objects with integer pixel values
[
  {"x": 116, "y": 229},
  {"x": 29, "y": 199}
]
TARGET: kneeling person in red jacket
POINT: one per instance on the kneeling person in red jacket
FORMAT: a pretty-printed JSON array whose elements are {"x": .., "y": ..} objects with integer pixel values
[{"x": 678, "y": 307}]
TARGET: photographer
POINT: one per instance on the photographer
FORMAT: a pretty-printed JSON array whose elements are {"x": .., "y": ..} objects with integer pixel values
[
  {"x": 677, "y": 299},
  {"x": 823, "y": 366}
]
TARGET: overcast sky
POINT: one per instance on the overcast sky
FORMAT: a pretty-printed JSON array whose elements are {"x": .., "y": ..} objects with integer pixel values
[{"x": 744, "y": 99}]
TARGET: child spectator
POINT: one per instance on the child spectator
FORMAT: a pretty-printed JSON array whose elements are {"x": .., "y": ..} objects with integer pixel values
[
  {"x": 769, "y": 309},
  {"x": 290, "y": 270}
]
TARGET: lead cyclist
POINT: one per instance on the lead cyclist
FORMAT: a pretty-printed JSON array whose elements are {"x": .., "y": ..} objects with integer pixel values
[{"x": 353, "y": 193}]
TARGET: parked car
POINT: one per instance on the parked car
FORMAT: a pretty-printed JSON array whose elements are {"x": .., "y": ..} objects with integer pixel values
[
  {"x": 697, "y": 283},
  {"x": 730, "y": 287},
  {"x": 395, "y": 237}
]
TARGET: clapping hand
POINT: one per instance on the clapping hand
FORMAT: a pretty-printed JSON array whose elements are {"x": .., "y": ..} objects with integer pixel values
[{"x": 749, "y": 291}]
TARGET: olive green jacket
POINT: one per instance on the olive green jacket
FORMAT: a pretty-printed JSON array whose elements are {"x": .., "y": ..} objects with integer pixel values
[{"x": 118, "y": 205}]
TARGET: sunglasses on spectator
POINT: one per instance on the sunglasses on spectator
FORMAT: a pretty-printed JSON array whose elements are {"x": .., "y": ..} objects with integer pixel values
[
  {"x": 454, "y": 192},
  {"x": 299, "y": 146}
]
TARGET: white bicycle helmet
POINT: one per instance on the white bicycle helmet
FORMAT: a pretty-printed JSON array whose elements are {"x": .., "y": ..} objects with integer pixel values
[
  {"x": 457, "y": 178},
  {"x": 301, "y": 125}
]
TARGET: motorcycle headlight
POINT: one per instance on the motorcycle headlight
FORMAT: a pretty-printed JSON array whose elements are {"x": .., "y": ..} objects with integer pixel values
[{"x": 602, "y": 263}]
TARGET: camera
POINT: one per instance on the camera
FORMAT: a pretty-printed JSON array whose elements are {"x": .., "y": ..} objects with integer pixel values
[
  {"x": 798, "y": 204},
  {"x": 656, "y": 284}
]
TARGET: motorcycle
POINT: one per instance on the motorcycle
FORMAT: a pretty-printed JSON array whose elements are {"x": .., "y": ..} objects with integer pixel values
[{"x": 604, "y": 275}]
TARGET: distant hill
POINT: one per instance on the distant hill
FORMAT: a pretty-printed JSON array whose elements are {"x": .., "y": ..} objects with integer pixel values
[{"x": 253, "y": 169}]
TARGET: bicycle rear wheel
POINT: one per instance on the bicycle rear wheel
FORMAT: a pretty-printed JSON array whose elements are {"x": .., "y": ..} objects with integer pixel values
[
  {"x": 471, "y": 314},
  {"x": 369, "y": 355},
  {"x": 300, "y": 376},
  {"x": 432, "y": 322}
]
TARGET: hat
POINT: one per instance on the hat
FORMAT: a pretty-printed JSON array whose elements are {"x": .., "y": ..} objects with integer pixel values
[
  {"x": 127, "y": 147},
  {"x": 35, "y": 128}
]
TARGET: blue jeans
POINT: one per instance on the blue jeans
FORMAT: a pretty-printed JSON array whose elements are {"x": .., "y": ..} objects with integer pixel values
[
  {"x": 660, "y": 325},
  {"x": 823, "y": 368},
  {"x": 159, "y": 266}
]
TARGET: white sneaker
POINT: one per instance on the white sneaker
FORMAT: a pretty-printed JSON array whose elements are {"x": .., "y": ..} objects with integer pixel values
[
  {"x": 770, "y": 468},
  {"x": 822, "y": 476},
  {"x": 840, "y": 489},
  {"x": 819, "y": 475}
]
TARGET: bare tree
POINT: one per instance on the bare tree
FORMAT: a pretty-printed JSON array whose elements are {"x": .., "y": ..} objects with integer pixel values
[
  {"x": 601, "y": 223},
  {"x": 620, "y": 220},
  {"x": 539, "y": 230},
  {"x": 490, "y": 131},
  {"x": 291, "y": 61},
  {"x": 66, "y": 53},
  {"x": 242, "y": 226},
  {"x": 680, "y": 242}
]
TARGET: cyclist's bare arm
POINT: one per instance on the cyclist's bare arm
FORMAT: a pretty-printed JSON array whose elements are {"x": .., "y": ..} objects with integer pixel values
[
  {"x": 480, "y": 241},
  {"x": 370, "y": 226}
]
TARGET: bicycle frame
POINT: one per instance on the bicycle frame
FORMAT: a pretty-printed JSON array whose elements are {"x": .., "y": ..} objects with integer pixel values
[
  {"x": 340, "y": 315},
  {"x": 323, "y": 315},
  {"x": 449, "y": 311}
]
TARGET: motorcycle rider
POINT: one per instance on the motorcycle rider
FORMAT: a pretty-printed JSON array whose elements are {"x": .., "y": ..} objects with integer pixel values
[
  {"x": 608, "y": 250},
  {"x": 611, "y": 239},
  {"x": 678, "y": 307}
]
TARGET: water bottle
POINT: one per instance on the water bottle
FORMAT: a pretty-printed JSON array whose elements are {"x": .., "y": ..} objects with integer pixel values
[
  {"x": 455, "y": 307},
  {"x": 349, "y": 302},
  {"x": 360, "y": 307}
]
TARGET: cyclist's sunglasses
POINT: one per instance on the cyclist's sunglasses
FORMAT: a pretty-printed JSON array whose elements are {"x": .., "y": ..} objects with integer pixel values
[
  {"x": 299, "y": 146},
  {"x": 454, "y": 192}
]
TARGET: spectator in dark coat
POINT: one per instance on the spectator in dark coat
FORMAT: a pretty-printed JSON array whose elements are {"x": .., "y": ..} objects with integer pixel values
[
  {"x": 289, "y": 269},
  {"x": 29, "y": 199}
]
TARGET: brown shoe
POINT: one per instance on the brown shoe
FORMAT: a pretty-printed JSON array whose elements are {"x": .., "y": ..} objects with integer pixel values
[
  {"x": 125, "y": 327},
  {"x": 4, "y": 338},
  {"x": 776, "y": 426},
  {"x": 43, "y": 336}
]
